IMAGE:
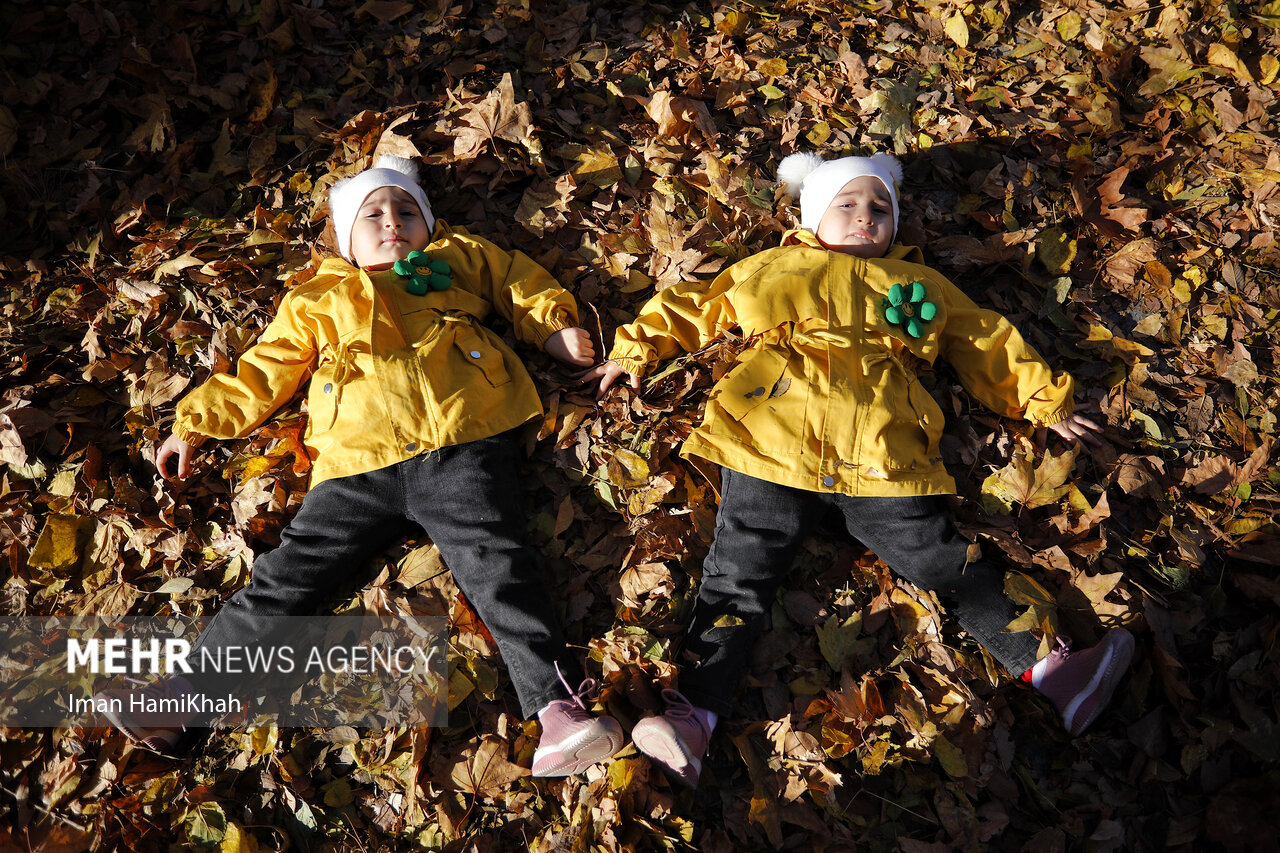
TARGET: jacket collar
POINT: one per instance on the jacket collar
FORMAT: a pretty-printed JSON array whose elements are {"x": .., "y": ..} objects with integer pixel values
[{"x": 897, "y": 252}]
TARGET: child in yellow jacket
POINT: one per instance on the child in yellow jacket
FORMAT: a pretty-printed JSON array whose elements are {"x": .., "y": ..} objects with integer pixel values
[
  {"x": 412, "y": 406},
  {"x": 824, "y": 409}
]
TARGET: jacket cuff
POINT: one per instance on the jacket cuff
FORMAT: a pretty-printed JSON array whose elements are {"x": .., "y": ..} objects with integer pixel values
[
  {"x": 634, "y": 366},
  {"x": 194, "y": 439},
  {"x": 546, "y": 330},
  {"x": 1053, "y": 418}
]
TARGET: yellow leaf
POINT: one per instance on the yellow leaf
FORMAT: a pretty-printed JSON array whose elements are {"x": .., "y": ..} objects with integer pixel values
[
  {"x": 733, "y": 24},
  {"x": 995, "y": 497},
  {"x": 1097, "y": 587},
  {"x": 645, "y": 500},
  {"x": 838, "y": 641},
  {"x": 951, "y": 757},
  {"x": 622, "y": 773},
  {"x": 1026, "y": 622},
  {"x": 1255, "y": 178},
  {"x": 1270, "y": 66},
  {"x": 255, "y": 467},
  {"x": 264, "y": 738},
  {"x": 598, "y": 166},
  {"x": 628, "y": 469},
  {"x": 419, "y": 565},
  {"x": 1018, "y": 482},
  {"x": 1056, "y": 250},
  {"x": 1225, "y": 57},
  {"x": 765, "y": 812},
  {"x": 957, "y": 30},
  {"x": 773, "y": 67},
  {"x": 1026, "y": 591},
  {"x": 1051, "y": 477},
  {"x": 1148, "y": 424},
  {"x": 1069, "y": 26},
  {"x": 60, "y": 542},
  {"x": 236, "y": 840},
  {"x": 819, "y": 134},
  {"x": 1077, "y": 501},
  {"x": 874, "y": 759}
]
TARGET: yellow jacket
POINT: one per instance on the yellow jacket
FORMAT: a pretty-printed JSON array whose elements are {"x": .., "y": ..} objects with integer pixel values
[
  {"x": 826, "y": 396},
  {"x": 392, "y": 375}
]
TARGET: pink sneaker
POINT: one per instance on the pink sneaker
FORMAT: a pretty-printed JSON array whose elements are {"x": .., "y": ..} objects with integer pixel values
[
  {"x": 572, "y": 739},
  {"x": 154, "y": 716},
  {"x": 1080, "y": 684},
  {"x": 676, "y": 740}
]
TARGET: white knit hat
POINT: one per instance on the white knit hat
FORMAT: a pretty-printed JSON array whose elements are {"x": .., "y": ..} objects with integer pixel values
[
  {"x": 816, "y": 181},
  {"x": 346, "y": 196}
]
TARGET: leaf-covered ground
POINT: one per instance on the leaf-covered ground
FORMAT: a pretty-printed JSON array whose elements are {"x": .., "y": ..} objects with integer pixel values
[{"x": 1104, "y": 173}]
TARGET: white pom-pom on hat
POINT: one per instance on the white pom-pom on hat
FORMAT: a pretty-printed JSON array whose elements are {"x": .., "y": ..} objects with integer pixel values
[
  {"x": 794, "y": 168},
  {"x": 346, "y": 196},
  {"x": 816, "y": 181}
]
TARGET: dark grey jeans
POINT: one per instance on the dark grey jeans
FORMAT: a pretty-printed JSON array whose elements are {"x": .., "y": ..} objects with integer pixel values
[
  {"x": 759, "y": 527},
  {"x": 467, "y": 499}
]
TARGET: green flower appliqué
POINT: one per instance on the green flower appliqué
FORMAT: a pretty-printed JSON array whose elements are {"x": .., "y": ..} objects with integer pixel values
[
  {"x": 422, "y": 274},
  {"x": 906, "y": 307}
]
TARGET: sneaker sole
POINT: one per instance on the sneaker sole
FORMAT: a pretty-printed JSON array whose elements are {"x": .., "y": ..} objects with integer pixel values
[
  {"x": 588, "y": 749},
  {"x": 671, "y": 753},
  {"x": 1103, "y": 686},
  {"x": 163, "y": 743}
]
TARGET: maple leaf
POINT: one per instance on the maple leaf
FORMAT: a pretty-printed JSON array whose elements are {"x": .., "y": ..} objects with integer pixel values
[
  {"x": 1020, "y": 482},
  {"x": 484, "y": 769},
  {"x": 496, "y": 117}
]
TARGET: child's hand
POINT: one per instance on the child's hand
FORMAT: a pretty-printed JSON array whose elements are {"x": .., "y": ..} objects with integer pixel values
[
  {"x": 572, "y": 346},
  {"x": 1077, "y": 428},
  {"x": 175, "y": 446},
  {"x": 608, "y": 373}
]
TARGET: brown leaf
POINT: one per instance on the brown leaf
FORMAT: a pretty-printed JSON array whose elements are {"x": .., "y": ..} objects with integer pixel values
[
  {"x": 484, "y": 769},
  {"x": 498, "y": 116},
  {"x": 386, "y": 11},
  {"x": 676, "y": 116}
]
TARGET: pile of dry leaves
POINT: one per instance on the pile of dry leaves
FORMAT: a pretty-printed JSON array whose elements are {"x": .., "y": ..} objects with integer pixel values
[{"x": 1105, "y": 174}]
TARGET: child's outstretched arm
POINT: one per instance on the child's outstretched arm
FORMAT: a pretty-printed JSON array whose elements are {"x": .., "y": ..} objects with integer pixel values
[
  {"x": 683, "y": 318},
  {"x": 267, "y": 376}
]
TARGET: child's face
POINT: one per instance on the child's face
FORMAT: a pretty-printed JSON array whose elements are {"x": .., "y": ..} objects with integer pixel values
[
  {"x": 388, "y": 227},
  {"x": 859, "y": 220}
]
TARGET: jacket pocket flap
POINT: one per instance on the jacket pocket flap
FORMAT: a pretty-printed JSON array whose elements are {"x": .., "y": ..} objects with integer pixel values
[
  {"x": 483, "y": 355},
  {"x": 751, "y": 383}
]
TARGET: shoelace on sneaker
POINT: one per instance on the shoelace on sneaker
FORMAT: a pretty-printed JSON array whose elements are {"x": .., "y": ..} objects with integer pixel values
[
  {"x": 586, "y": 689},
  {"x": 678, "y": 707}
]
